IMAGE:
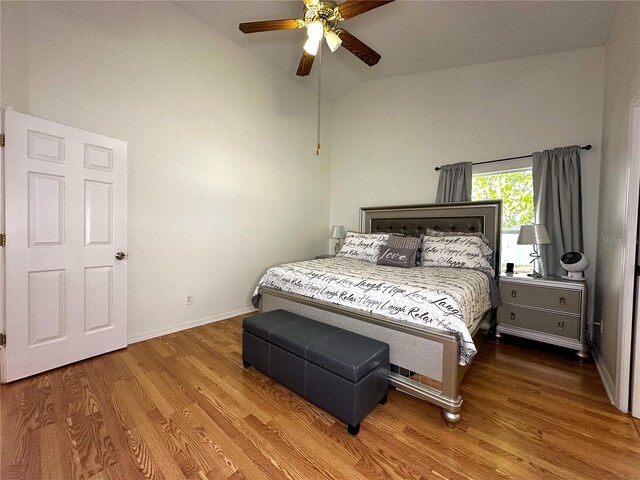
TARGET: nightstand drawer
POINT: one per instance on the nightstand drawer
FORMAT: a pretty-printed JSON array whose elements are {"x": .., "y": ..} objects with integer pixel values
[
  {"x": 559, "y": 300},
  {"x": 544, "y": 322}
]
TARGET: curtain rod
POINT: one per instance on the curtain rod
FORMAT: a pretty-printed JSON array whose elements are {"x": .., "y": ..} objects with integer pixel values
[{"x": 586, "y": 147}]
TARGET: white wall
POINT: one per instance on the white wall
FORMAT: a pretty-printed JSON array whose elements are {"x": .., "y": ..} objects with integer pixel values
[
  {"x": 13, "y": 54},
  {"x": 223, "y": 177},
  {"x": 622, "y": 82},
  {"x": 388, "y": 135}
]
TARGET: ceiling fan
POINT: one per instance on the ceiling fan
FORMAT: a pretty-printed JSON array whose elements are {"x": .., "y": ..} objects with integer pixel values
[{"x": 321, "y": 19}]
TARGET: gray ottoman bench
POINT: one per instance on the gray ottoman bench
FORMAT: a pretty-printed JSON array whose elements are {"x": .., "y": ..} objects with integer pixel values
[{"x": 344, "y": 373}]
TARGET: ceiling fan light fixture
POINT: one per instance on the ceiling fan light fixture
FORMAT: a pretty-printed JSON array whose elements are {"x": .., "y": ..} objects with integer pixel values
[
  {"x": 321, "y": 19},
  {"x": 315, "y": 30},
  {"x": 311, "y": 46},
  {"x": 333, "y": 40}
]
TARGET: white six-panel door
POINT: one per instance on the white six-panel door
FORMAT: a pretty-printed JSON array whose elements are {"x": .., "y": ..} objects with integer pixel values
[{"x": 66, "y": 221}]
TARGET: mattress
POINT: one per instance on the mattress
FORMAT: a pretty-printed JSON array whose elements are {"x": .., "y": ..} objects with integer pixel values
[{"x": 451, "y": 299}]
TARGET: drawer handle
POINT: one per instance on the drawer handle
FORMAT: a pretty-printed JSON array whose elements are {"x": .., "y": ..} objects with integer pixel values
[
  {"x": 560, "y": 324},
  {"x": 563, "y": 300},
  {"x": 513, "y": 315},
  {"x": 514, "y": 293}
]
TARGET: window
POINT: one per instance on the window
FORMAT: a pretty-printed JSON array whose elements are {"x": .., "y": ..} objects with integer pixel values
[{"x": 515, "y": 188}]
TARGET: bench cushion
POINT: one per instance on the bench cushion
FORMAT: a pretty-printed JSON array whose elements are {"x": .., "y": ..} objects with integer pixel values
[
  {"x": 298, "y": 337},
  {"x": 348, "y": 354},
  {"x": 261, "y": 325}
]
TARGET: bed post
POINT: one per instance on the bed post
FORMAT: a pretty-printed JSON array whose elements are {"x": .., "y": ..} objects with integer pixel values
[{"x": 450, "y": 383}]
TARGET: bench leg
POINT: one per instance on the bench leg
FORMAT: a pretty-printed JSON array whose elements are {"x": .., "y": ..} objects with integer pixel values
[
  {"x": 383, "y": 400},
  {"x": 353, "y": 430},
  {"x": 245, "y": 364}
]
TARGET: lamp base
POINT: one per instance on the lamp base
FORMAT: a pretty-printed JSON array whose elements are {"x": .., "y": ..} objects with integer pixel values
[
  {"x": 535, "y": 262},
  {"x": 337, "y": 246}
]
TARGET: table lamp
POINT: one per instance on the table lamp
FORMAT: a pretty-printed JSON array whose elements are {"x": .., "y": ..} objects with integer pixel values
[
  {"x": 534, "y": 234},
  {"x": 338, "y": 232}
]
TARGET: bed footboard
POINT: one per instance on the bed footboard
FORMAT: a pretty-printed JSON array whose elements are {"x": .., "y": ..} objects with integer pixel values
[{"x": 424, "y": 360}]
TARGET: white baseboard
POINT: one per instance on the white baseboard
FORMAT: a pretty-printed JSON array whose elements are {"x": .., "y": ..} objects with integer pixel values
[
  {"x": 190, "y": 324},
  {"x": 609, "y": 386}
]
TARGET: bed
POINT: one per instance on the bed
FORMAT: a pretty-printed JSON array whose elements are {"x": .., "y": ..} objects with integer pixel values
[{"x": 427, "y": 362}]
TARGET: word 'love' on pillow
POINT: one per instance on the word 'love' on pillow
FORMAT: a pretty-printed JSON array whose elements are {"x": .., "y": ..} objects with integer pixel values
[{"x": 397, "y": 257}]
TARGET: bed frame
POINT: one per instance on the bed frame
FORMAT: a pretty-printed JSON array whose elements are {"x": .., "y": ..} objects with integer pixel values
[{"x": 424, "y": 359}]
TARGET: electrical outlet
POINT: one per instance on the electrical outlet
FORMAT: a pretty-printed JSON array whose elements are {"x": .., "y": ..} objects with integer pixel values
[{"x": 189, "y": 300}]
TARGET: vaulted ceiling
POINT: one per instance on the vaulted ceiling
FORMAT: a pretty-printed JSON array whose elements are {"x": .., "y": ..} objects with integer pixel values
[{"x": 415, "y": 36}]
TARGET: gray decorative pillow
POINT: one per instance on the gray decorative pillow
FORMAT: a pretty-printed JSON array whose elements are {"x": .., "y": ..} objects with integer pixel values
[
  {"x": 397, "y": 257},
  {"x": 410, "y": 242},
  {"x": 363, "y": 246},
  {"x": 460, "y": 251},
  {"x": 404, "y": 241}
]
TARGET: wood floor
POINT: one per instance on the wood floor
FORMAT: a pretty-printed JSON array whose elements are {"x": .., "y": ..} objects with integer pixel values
[{"x": 181, "y": 406}]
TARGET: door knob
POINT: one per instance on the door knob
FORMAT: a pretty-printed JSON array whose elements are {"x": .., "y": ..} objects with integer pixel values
[{"x": 121, "y": 256}]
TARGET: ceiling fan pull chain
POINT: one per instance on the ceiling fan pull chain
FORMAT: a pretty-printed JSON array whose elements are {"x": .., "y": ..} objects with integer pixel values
[{"x": 319, "y": 91}]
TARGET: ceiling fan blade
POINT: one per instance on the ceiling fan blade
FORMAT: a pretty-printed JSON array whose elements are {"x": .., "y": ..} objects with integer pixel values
[
  {"x": 306, "y": 62},
  {"x": 268, "y": 25},
  {"x": 359, "y": 49},
  {"x": 351, "y": 8}
]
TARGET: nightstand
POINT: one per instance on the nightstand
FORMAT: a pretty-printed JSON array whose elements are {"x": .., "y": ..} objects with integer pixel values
[{"x": 547, "y": 309}]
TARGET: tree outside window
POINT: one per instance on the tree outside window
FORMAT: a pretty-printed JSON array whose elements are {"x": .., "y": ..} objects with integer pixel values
[{"x": 515, "y": 188}]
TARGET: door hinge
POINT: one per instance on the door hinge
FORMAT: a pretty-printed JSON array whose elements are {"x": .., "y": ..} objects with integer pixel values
[
  {"x": 2, "y": 238},
  {"x": 3, "y": 340},
  {"x": 1, "y": 139}
]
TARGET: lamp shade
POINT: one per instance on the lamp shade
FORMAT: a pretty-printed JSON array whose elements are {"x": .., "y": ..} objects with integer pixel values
[
  {"x": 333, "y": 40},
  {"x": 311, "y": 46},
  {"x": 338, "y": 231},
  {"x": 315, "y": 30},
  {"x": 534, "y": 234}
]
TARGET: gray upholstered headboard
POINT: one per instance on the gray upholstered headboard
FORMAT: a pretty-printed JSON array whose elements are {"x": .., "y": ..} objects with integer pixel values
[{"x": 484, "y": 217}]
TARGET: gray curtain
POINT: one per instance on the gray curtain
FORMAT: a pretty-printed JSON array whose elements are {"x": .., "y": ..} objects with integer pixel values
[
  {"x": 557, "y": 198},
  {"x": 455, "y": 183}
]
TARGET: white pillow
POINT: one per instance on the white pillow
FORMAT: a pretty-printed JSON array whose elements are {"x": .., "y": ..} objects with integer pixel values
[
  {"x": 486, "y": 249},
  {"x": 459, "y": 251},
  {"x": 363, "y": 246}
]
